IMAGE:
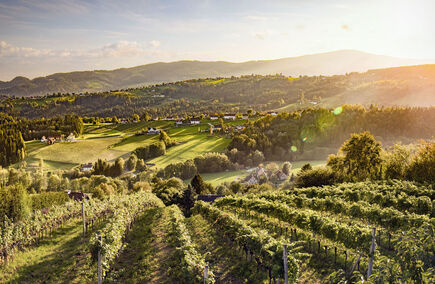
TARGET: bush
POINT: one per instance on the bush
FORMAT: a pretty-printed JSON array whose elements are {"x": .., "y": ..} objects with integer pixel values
[
  {"x": 151, "y": 151},
  {"x": 15, "y": 203},
  {"x": 315, "y": 177},
  {"x": 212, "y": 163},
  {"x": 422, "y": 166},
  {"x": 48, "y": 199},
  {"x": 142, "y": 185}
]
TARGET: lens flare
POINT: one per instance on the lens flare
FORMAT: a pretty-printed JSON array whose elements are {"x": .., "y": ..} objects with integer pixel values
[
  {"x": 337, "y": 110},
  {"x": 293, "y": 148},
  {"x": 304, "y": 139}
]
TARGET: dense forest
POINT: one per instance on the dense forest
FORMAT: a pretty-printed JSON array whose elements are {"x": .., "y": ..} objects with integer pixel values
[
  {"x": 406, "y": 86},
  {"x": 55, "y": 126},
  {"x": 14, "y": 132},
  {"x": 12, "y": 148},
  {"x": 314, "y": 133}
]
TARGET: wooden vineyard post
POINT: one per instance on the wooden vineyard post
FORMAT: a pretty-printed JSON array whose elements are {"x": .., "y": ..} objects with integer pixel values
[
  {"x": 354, "y": 266},
  {"x": 205, "y": 273},
  {"x": 345, "y": 261},
  {"x": 83, "y": 217},
  {"x": 284, "y": 257},
  {"x": 314, "y": 245},
  {"x": 372, "y": 251},
  {"x": 100, "y": 270}
]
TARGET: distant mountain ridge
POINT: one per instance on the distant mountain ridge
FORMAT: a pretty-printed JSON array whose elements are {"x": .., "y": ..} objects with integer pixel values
[{"x": 330, "y": 63}]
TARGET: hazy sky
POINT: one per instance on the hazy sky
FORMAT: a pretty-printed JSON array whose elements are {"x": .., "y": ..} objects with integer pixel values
[{"x": 42, "y": 37}]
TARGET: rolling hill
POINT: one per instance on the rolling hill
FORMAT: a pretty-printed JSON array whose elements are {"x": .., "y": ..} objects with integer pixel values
[
  {"x": 399, "y": 86},
  {"x": 330, "y": 63}
]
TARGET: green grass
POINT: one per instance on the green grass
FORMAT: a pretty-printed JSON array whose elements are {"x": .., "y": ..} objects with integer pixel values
[
  {"x": 62, "y": 258},
  {"x": 132, "y": 142},
  {"x": 193, "y": 145},
  {"x": 218, "y": 178},
  {"x": 145, "y": 258},
  {"x": 69, "y": 154}
]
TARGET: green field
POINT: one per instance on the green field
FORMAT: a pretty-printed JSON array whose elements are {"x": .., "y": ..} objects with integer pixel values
[
  {"x": 191, "y": 146},
  {"x": 111, "y": 141},
  {"x": 218, "y": 178}
]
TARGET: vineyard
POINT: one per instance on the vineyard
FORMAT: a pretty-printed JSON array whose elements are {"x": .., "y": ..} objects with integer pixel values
[{"x": 384, "y": 230}]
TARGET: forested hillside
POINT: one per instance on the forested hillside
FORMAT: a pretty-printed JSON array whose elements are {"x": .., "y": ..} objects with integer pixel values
[
  {"x": 343, "y": 61},
  {"x": 404, "y": 86},
  {"x": 318, "y": 132}
]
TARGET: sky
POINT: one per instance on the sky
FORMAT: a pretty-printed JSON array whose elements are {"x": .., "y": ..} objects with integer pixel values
[{"x": 38, "y": 38}]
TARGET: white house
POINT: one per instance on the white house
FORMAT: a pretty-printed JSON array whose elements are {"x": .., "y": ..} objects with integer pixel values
[
  {"x": 251, "y": 179},
  {"x": 272, "y": 113},
  {"x": 195, "y": 121},
  {"x": 178, "y": 123},
  {"x": 71, "y": 137},
  {"x": 240, "y": 127},
  {"x": 230, "y": 116},
  {"x": 214, "y": 117},
  {"x": 153, "y": 130},
  {"x": 87, "y": 167},
  {"x": 43, "y": 139}
]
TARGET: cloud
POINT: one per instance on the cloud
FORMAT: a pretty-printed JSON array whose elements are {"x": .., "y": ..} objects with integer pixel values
[
  {"x": 345, "y": 27},
  {"x": 8, "y": 50},
  {"x": 259, "y": 36},
  {"x": 155, "y": 43},
  {"x": 118, "y": 49},
  {"x": 256, "y": 18}
]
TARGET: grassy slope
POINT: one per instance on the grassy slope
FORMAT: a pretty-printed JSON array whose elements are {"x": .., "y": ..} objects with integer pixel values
[
  {"x": 62, "y": 258},
  {"x": 145, "y": 259},
  {"x": 110, "y": 141},
  {"x": 192, "y": 146},
  {"x": 69, "y": 154}
]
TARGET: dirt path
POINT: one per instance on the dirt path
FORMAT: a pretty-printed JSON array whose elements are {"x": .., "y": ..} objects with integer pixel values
[{"x": 147, "y": 253}]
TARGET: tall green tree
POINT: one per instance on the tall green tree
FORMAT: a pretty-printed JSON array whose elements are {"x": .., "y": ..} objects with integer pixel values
[
  {"x": 362, "y": 157},
  {"x": 198, "y": 184},
  {"x": 12, "y": 147},
  {"x": 187, "y": 200}
]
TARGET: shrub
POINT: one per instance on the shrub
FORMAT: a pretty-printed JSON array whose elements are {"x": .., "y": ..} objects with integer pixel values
[
  {"x": 315, "y": 177},
  {"x": 422, "y": 166},
  {"x": 151, "y": 151},
  {"x": 48, "y": 199},
  {"x": 15, "y": 203}
]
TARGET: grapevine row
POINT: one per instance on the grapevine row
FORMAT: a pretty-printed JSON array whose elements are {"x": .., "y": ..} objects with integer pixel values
[
  {"x": 192, "y": 263},
  {"x": 312, "y": 244},
  {"x": 127, "y": 209},
  {"x": 351, "y": 236},
  {"x": 389, "y": 218},
  {"x": 383, "y": 195},
  {"x": 17, "y": 235},
  {"x": 266, "y": 249}
]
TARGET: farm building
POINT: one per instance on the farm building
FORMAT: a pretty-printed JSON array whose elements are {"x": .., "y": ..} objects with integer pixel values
[
  {"x": 195, "y": 121},
  {"x": 152, "y": 131}
]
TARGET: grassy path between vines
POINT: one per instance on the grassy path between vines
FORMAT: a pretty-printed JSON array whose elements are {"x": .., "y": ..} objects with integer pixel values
[
  {"x": 226, "y": 261},
  {"x": 147, "y": 253},
  {"x": 63, "y": 257}
]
